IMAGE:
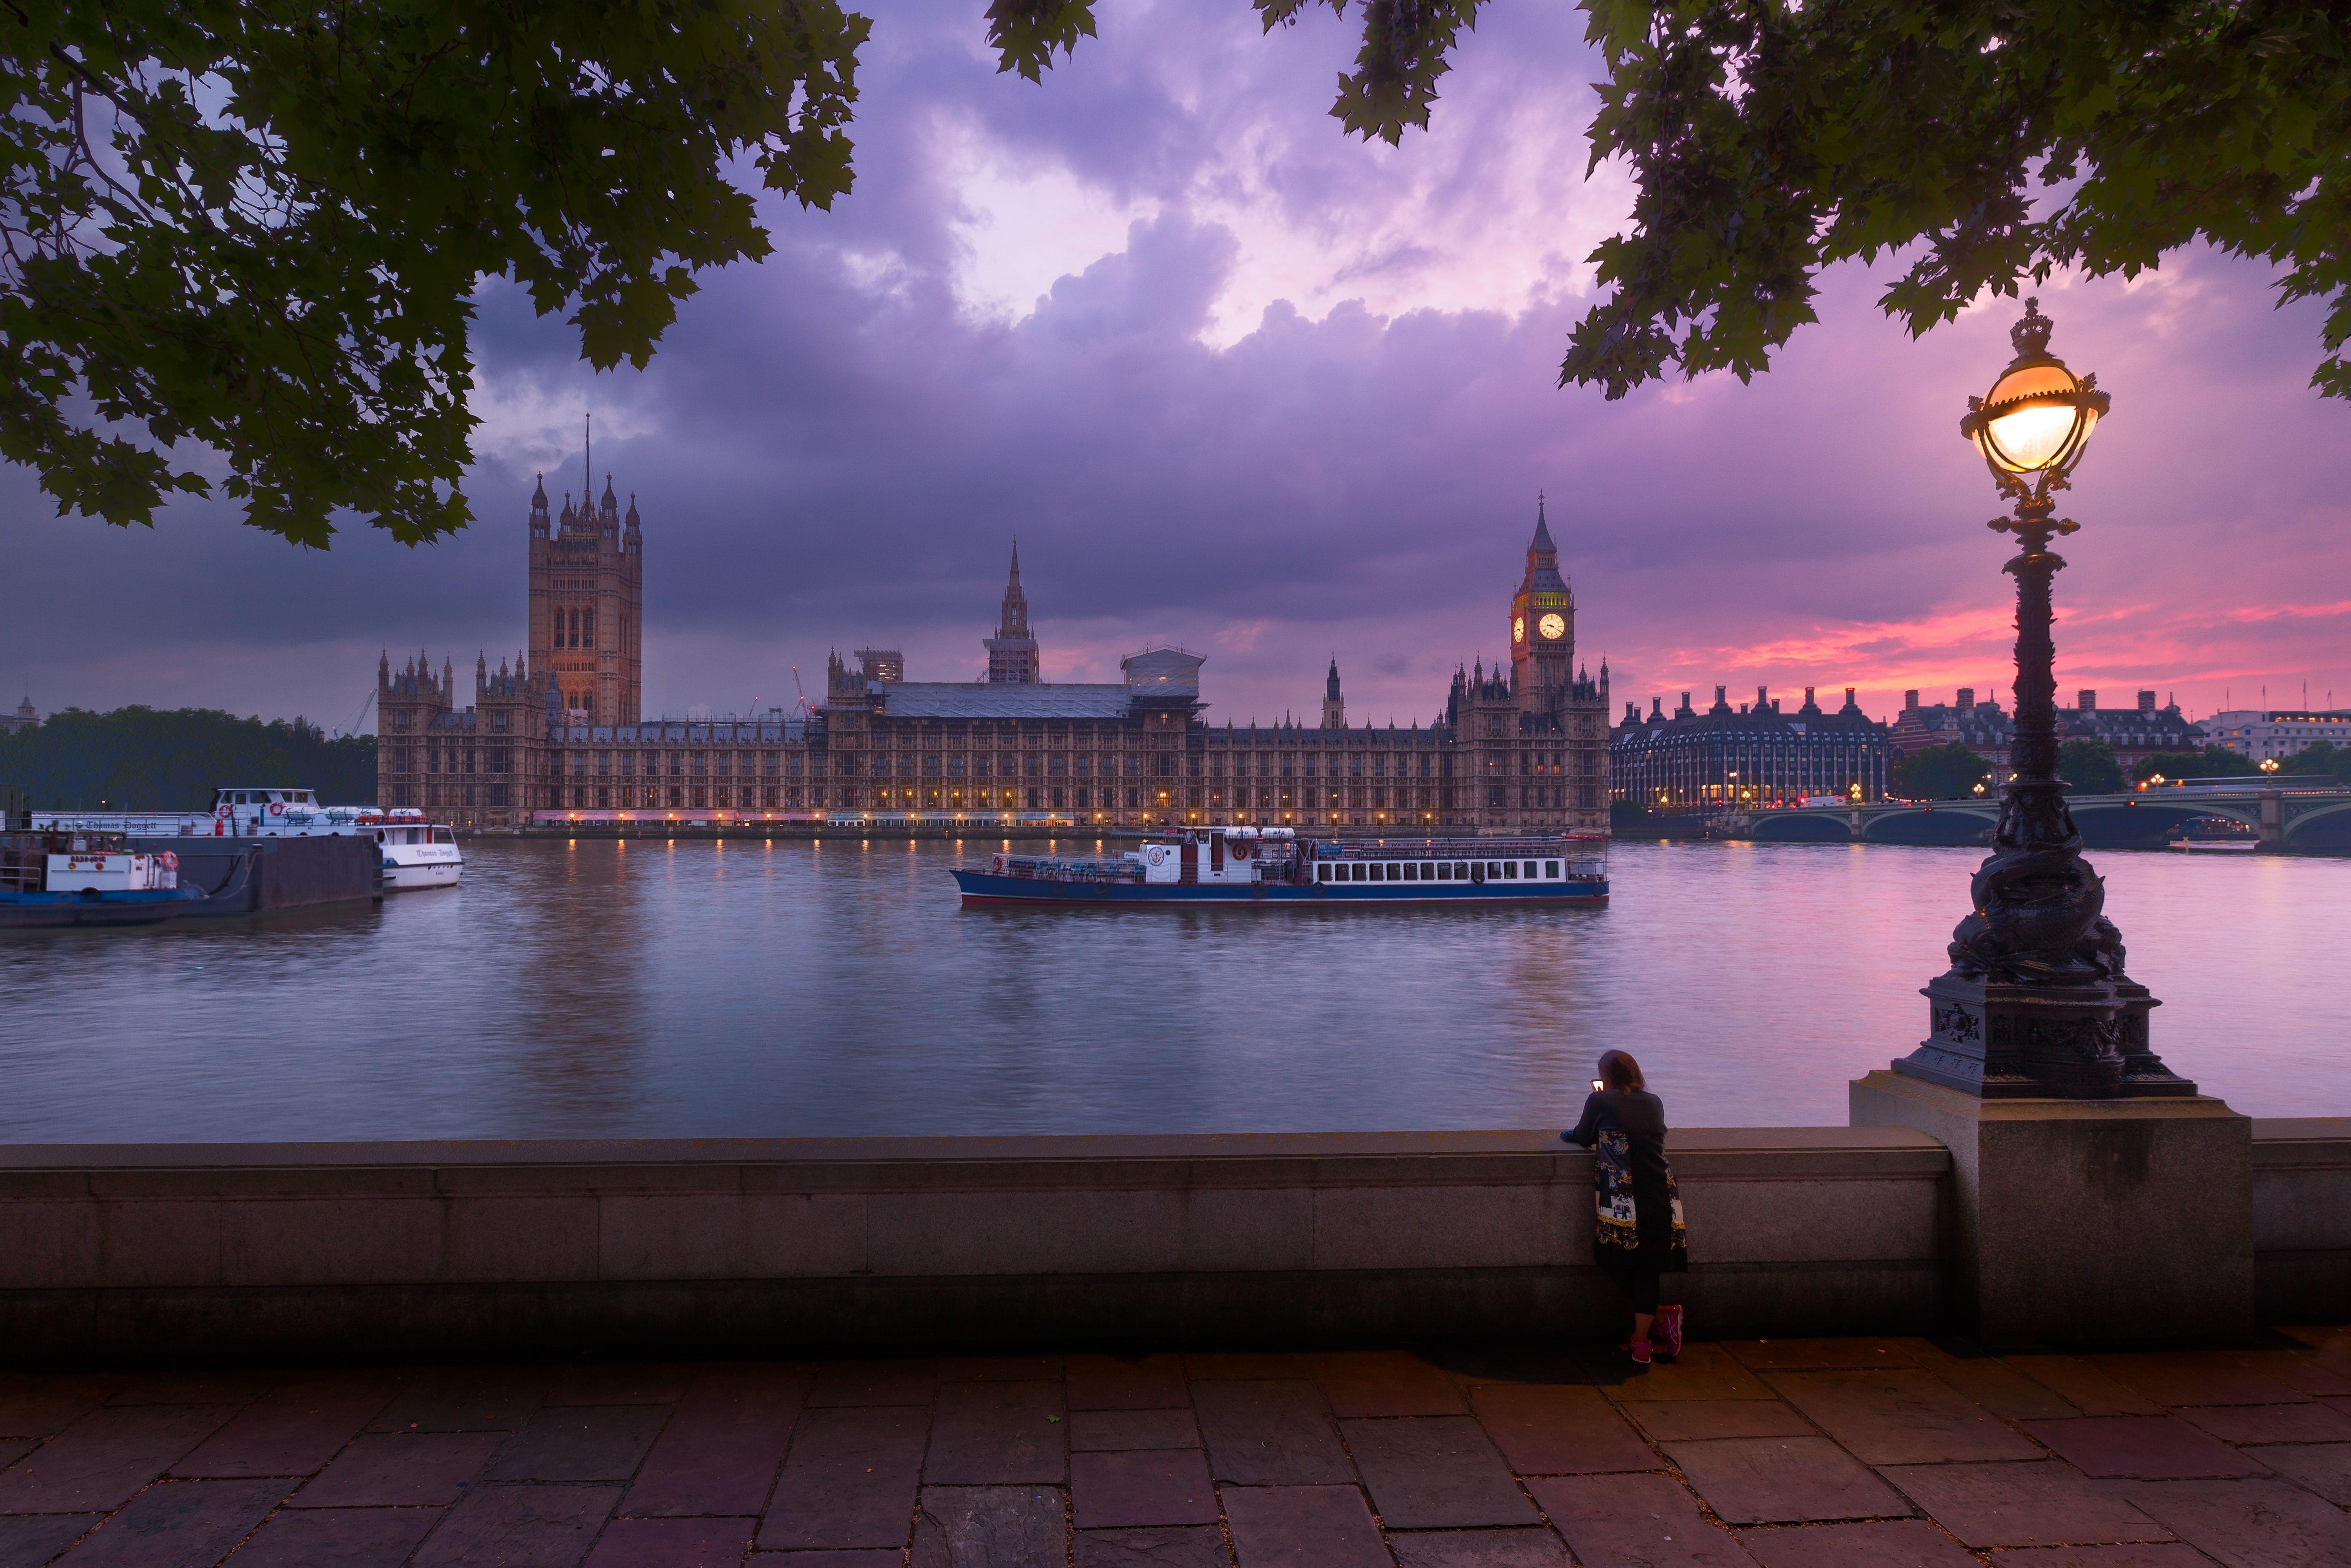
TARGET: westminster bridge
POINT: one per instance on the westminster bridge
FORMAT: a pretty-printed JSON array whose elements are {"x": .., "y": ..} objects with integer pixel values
[{"x": 2311, "y": 821}]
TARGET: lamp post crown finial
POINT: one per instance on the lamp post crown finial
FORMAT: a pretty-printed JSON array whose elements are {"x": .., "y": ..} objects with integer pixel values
[{"x": 2030, "y": 334}]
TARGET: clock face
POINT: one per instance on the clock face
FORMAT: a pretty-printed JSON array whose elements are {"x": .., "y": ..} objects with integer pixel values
[
  {"x": 1518, "y": 629},
  {"x": 1553, "y": 626}
]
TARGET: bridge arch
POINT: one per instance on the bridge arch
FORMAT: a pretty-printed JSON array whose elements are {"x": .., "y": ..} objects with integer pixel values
[
  {"x": 2321, "y": 826},
  {"x": 1942, "y": 823},
  {"x": 1802, "y": 827}
]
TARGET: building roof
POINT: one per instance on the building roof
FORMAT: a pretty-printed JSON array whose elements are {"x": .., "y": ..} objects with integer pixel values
[{"x": 984, "y": 699}]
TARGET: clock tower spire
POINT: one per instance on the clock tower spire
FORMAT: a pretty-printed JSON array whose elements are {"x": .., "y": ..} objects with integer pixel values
[{"x": 1543, "y": 626}]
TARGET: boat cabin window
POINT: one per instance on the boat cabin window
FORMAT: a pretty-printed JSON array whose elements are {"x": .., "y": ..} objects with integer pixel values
[
  {"x": 1444, "y": 870},
  {"x": 1511, "y": 868},
  {"x": 1529, "y": 868},
  {"x": 1361, "y": 872},
  {"x": 444, "y": 836},
  {"x": 1461, "y": 871},
  {"x": 1550, "y": 868},
  {"x": 1322, "y": 874}
]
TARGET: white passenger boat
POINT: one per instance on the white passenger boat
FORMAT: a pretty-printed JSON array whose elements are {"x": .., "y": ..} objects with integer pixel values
[{"x": 417, "y": 854}]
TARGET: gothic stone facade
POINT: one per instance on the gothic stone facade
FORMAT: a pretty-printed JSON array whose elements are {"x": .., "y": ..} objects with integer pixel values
[{"x": 1524, "y": 751}]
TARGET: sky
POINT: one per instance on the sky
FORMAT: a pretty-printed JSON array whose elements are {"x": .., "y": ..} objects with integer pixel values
[{"x": 1240, "y": 383}]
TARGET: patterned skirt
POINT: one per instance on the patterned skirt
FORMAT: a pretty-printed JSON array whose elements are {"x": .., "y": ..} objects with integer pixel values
[{"x": 1650, "y": 1236}]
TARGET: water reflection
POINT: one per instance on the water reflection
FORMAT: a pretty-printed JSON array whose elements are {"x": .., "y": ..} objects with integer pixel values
[{"x": 662, "y": 988}]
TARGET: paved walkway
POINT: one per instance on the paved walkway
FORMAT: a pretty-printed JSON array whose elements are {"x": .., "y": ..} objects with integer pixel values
[{"x": 1787, "y": 1454}]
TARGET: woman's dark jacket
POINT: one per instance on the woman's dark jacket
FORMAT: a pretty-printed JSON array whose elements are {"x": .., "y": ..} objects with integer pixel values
[{"x": 1639, "y": 1210}]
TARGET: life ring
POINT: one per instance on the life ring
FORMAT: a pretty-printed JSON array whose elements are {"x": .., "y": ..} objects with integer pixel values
[
  {"x": 278, "y": 808},
  {"x": 170, "y": 859},
  {"x": 1156, "y": 855},
  {"x": 1238, "y": 848},
  {"x": 224, "y": 811}
]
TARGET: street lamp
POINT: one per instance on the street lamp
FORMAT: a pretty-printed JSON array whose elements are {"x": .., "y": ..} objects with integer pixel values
[{"x": 2036, "y": 1004}]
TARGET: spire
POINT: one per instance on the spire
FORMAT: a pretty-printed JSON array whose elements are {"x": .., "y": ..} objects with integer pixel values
[
  {"x": 1330, "y": 688},
  {"x": 1542, "y": 558},
  {"x": 633, "y": 510},
  {"x": 1014, "y": 623}
]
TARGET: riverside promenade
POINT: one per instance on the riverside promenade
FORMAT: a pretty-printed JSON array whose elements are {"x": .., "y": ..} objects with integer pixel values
[{"x": 1835, "y": 1453}]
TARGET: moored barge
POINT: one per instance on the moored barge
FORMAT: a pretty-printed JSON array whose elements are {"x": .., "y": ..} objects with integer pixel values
[{"x": 1255, "y": 866}]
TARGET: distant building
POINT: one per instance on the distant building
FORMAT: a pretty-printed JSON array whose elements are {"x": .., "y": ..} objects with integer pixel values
[
  {"x": 27, "y": 717},
  {"x": 1525, "y": 751},
  {"x": 2135, "y": 733},
  {"x": 1982, "y": 728},
  {"x": 2263, "y": 734},
  {"x": 1754, "y": 756}
]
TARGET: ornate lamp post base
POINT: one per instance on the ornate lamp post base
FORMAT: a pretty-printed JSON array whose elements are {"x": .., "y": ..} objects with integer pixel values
[{"x": 2036, "y": 1042}]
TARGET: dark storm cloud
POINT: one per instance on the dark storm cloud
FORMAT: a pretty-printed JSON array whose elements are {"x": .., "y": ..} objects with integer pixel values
[{"x": 835, "y": 448}]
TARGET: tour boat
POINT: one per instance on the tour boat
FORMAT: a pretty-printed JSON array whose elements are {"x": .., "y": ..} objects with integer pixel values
[
  {"x": 1257, "y": 866},
  {"x": 417, "y": 854}
]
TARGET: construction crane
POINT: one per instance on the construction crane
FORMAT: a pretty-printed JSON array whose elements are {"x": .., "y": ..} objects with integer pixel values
[
  {"x": 353, "y": 728},
  {"x": 803, "y": 709}
]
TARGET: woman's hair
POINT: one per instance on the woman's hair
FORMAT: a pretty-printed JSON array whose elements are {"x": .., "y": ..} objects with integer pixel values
[{"x": 1619, "y": 1070}]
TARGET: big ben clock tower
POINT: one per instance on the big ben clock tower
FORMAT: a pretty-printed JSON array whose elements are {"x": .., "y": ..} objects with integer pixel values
[{"x": 1543, "y": 627}]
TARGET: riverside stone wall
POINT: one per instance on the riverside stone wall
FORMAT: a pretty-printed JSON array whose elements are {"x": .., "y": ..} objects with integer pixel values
[{"x": 789, "y": 1247}]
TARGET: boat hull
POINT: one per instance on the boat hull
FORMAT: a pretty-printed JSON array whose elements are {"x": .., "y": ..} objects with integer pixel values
[
  {"x": 85, "y": 911},
  {"x": 982, "y": 888},
  {"x": 429, "y": 873}
]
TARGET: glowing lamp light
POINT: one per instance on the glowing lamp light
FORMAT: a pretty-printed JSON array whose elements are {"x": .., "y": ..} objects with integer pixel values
[{"x": 2038, "y": 415}]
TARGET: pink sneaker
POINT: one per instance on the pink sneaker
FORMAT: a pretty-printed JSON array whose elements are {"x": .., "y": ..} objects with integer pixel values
[
  {"x": 1640, "y": 1352},
  {"x": 1669, "y": 1332}
]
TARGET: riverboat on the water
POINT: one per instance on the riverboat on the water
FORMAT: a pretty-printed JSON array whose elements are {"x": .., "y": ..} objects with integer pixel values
[
  {"x": 416, "y": 852},
  {"x": 51, "y": 880},
  {"x": 1258, "y": 866}
]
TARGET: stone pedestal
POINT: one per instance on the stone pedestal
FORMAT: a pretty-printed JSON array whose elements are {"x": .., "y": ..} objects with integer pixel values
[
  {"x": 2087, "y": 1222},
  {"x": 2087, "y": 1041}
]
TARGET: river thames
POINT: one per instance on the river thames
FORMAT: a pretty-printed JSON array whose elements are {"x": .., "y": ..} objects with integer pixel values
[{"x": 661, "y": 989}]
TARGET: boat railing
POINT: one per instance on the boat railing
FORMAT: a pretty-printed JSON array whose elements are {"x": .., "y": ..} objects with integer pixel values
[{"x": 1582, "y": 846}]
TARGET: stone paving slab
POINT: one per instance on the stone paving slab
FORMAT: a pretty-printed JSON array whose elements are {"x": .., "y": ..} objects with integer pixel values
[
  {"x": 1889, "y": 1543},
  {"x": 2249, "y": 1523},
  {"x": 1693, "y": 1420},
  {"x": 1783, "y": 1480},
  {"x": 1175, "y": 1546},
  {"x": 2043, "y": 1502},
  {"x": 1781, "y": 1454},
  {"x": 2143, "y": 1447},
  {"x": 1551, "y": 1429},
  {"x": 1434, "y": 1473},
  {"x": 1900, "y": 1415},
  {"x": 2311, "y": 1422}
]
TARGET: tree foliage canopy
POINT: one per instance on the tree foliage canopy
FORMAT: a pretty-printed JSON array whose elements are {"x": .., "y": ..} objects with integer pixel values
[
  {"x": 1990, "y": 142},
  {"x": 2090, "y": 765},
  {"x": 1945, "y": 772},
  {"x": 257, "y": 227},
  {"x": 2212, "y": 762},
  {"x": 144, "y": 758}
]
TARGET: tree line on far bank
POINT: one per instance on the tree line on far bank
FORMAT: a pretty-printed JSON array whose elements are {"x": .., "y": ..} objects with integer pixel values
[{"x": 152, "y": 759}]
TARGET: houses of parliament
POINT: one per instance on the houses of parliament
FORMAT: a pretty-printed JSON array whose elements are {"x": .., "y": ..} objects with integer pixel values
[{"x": 558, "y": 735}]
